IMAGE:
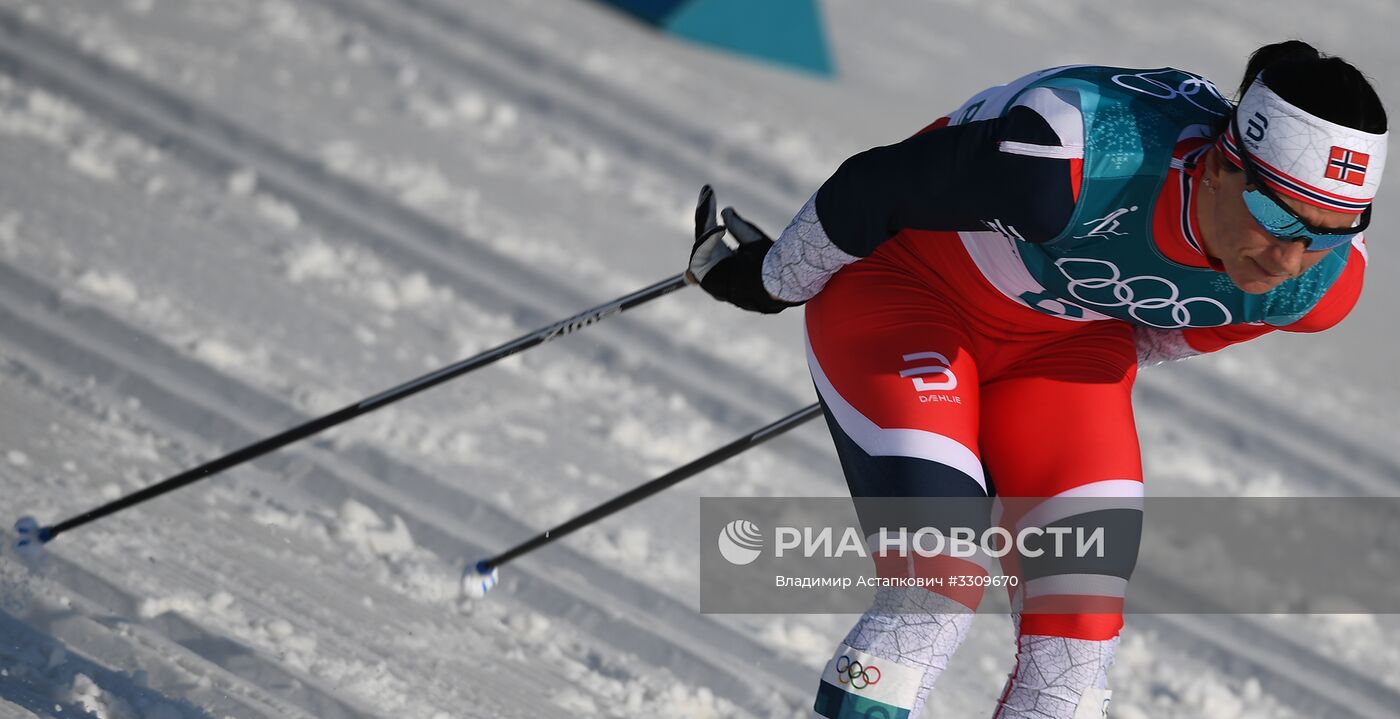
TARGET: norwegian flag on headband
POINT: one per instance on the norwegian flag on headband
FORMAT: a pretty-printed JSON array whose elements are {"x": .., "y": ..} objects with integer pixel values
[{"x": 1347, "y": 165}]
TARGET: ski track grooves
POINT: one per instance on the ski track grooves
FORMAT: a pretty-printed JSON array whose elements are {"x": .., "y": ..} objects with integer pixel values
[
  {"x": 73, "y": 627},
  {"x": 1243, "y": 646},
  {"x": 215, "y": 145},
  {"x": 272, "y": 589},
  {"x": 582, "y": 101},
  {"x": 1329, "y": 456},
  {"x": 218, "y": 146},
  {"x": 86, "y": 342},
  {"x": 47, "y": 630},
  {"x": 299, "y": 695}
]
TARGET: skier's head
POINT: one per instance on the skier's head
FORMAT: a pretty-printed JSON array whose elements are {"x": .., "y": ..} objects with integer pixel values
[{"x": 1295, "y": 171}]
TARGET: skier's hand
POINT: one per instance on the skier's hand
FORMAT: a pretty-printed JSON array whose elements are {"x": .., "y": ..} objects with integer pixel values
[{"x": 732, "y": 275}]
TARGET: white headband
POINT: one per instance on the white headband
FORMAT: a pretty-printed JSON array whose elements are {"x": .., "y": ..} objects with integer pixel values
[{"x": 1306, "y": 157}]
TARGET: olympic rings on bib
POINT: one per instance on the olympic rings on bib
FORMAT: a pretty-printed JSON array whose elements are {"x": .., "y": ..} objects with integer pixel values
[{"x": 1126, "y": 293}]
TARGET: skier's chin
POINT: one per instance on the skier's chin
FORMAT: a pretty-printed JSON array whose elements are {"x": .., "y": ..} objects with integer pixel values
[
  {"x": 1250, "y": 278},
  {"x": 1255, "y": 287}
]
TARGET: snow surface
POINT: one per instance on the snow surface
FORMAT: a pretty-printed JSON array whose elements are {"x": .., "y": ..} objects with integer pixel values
[{"x": 220, "y": 218}]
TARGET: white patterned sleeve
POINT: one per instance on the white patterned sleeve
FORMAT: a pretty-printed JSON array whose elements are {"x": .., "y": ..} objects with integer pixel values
[
  {"x": 1156, "y": 346},
  {"x": 803, "y": 258}
]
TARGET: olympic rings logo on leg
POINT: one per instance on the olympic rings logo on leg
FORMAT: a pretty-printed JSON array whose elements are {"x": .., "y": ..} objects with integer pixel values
[{"x": 854, "y": 673}]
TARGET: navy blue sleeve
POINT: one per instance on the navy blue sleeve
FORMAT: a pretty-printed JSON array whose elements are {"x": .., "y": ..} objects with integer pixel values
[{"x": 954, "y": 178}]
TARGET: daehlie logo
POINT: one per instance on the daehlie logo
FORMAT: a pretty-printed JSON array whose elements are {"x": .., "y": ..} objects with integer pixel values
[
  {"x": 852, "y": 672},
  {"x": 948, "y": 381},
  {"x": 1256, "y": 127}
]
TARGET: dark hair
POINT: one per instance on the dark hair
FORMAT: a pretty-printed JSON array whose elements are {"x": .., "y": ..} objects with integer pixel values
[{"x": 1328, "y": 87}]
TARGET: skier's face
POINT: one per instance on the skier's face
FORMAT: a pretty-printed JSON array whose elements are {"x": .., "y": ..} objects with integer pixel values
[{"x": 1255, "y": 260}]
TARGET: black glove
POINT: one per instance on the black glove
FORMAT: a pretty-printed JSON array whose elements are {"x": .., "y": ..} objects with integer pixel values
[{"x": 732, "y": 275}]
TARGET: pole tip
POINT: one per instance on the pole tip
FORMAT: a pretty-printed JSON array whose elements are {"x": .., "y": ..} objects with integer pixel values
[
  {"x": 478, "y": 579},
  {"x": 29, "y": 539}
]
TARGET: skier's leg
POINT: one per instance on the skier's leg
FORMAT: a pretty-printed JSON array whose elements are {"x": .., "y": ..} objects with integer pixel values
[
  {"x": 899, "y": 387},
  {"x": 1061, "y": 427},
  {"x": 903, "y": 642}
]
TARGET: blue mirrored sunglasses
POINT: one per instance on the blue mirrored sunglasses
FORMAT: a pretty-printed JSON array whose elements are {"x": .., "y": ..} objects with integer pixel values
[{"x": 1279, "y": 221}]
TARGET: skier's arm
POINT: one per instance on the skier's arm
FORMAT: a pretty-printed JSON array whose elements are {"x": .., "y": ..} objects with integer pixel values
[
  {"x": 1157, "y": 345},
  {"x": 1010, "y": 170}
]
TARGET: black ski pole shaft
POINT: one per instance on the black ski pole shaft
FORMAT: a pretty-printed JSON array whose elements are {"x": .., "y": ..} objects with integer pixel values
[
  {"x": 349, "y": 412},
  {"x": 665, "y": 481}
]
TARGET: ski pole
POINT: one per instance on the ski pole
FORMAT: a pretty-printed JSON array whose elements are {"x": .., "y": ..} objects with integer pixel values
[
  {"x": 480, "y": 577},
  {"x": 31, "y": 535}
]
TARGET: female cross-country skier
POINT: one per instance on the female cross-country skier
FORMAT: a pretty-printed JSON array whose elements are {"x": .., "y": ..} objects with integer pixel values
[{"x": 981, "y": 295}]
